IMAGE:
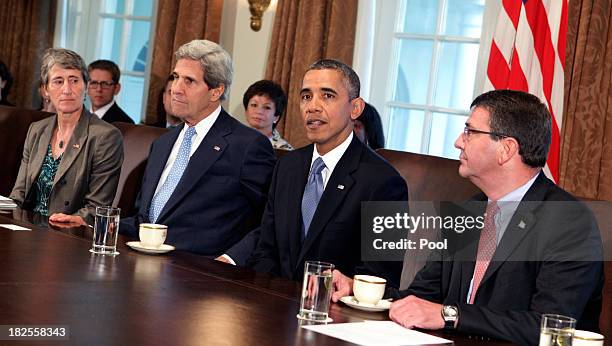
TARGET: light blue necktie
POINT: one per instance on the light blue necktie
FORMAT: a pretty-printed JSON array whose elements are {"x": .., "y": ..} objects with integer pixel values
[
  {"x": 176, "y": 172},
  {"x": 312, "y": 193}
]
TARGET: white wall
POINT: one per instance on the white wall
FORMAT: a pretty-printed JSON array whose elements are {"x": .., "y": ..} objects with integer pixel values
[{"x": 249, "y": 49}]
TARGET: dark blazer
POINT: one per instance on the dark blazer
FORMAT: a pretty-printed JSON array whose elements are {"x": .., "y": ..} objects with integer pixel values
[
  {"x": 549, "y": 260},
  {"x": 221, "y": 194},
  {"x": 334, "y": 235},
  {"x": 88, "y": 173},
  {"x": 116, "y": 114}
]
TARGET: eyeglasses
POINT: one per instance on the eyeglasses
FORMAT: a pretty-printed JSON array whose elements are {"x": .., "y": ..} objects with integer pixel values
[
  {"x": 468, "y": 131},
  {"x": 94, "y": 84}
]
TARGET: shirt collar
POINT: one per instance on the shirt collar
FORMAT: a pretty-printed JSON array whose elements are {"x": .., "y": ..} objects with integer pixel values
[
  {"x": 517, "y": 194},
  {"x": 204, "y": 125},
  {"x": 102, "y": 110},
  {"x": 333, "y": 156}
]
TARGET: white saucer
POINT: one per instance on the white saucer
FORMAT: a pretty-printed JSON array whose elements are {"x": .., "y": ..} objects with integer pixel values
[
  {"x": 138, "y": 247},
  {"x": 352, "y": 302}
]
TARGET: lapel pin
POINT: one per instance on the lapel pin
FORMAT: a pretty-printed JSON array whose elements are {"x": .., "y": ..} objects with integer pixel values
[
  {"x": 76, "y": 146},
  {"x": 341, "y": 187},
  {"x": 522, "y": 224},
  {"x": 217, "y": 148}
]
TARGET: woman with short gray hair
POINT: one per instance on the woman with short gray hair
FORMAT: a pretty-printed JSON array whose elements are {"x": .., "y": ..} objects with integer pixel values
[{"x": 72, "y": 160}]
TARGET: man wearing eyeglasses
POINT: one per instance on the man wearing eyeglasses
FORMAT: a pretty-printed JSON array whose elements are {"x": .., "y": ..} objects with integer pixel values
[
  {"x": 102, "y": 88},
  {"x": 539, "y": 250}
]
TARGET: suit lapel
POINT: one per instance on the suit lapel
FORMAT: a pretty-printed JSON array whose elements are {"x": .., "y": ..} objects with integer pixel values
[
  {"x": 75, "y": 145},
  {"x": 294, "y": 205},
  {"x": 520, "y": 225},
  {"x": 338, "y": 186},
  {"x": 210, "y": 150},
  {"x": 40, "y": 152}
]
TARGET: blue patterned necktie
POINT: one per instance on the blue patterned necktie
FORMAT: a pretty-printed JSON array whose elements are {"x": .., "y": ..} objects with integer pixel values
[
  {"x": 176, "y": 172},
  {"x": 312, "y": 193}
]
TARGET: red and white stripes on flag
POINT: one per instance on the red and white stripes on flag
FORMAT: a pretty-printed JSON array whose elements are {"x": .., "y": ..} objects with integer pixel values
[{"x": 528, "y": 54}]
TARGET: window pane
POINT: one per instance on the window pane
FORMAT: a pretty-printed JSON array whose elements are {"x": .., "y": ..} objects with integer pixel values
[
  {"x": 420, "y": 16},
  {"x": 130, "y": 97},
  {"x": 113, "y": 6},
  {"x": 445, "y": 128},
  {"x": 405, "y": 129},
  {"x": 137, "y": 49},
  {"x": 413, "y": 71},
  {"x": 109, "y": 38},
  {"x": 463, "y": 18},
  {"x": 456, "y": 75},
  {"x": 142, "y": 8}
]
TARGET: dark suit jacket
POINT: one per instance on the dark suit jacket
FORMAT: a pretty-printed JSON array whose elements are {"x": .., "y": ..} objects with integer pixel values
[
  {"x": 549, "y": 260},
  {"x": 334, "y": 234},
  {"x": 88, "y": 173},
  {"x": 221, "y": 194},
  {"x": 116, "y": 114}
]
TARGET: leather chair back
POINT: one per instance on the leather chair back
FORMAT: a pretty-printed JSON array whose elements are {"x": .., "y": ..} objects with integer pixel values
[{"x": 14, "y": 125}]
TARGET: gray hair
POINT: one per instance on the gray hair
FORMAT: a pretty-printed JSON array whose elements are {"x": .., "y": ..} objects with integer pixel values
[
  {"x": 65, "y": 59},
  {"x": 349, "y": 77},
  {"x": 215, "y": 61}
]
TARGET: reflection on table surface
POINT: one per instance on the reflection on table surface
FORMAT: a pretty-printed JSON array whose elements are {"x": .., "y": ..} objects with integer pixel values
[{"x": 50, "y": 277}]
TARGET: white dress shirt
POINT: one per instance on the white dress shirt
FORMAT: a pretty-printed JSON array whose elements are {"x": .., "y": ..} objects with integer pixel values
[
  {"x": 201, "y": 129},
  {"x": 102, "y": 110}
]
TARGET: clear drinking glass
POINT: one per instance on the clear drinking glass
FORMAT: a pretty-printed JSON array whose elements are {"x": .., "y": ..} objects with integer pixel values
[
  {"x": 106, "y": 229},
  {"x": 557, "y": 330},
  {"x": 316, "y": 291}
]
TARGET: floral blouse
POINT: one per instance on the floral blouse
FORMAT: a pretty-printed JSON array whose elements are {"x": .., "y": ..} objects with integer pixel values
[
  {"x": 44, "y": 184},
  {"x": 278, "y": 142}
]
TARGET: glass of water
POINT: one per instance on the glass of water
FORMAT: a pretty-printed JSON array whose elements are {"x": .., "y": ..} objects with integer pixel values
[
  {"x": 105, "y": 232},
  {"x": 316, "y": 291},
  {"x": 557, "y": 330}
]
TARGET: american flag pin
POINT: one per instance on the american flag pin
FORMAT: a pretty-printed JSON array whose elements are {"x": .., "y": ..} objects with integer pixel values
[
  {"x": 217, "y": 148},
  {"x": 76, "y": 146},
  {"x": 522, "y": 224},
  {"x": 341, "y": 187}
]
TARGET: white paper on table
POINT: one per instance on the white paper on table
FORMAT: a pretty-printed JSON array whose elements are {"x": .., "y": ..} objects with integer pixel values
[
  {"x": 6, "y": 202},
  {"x": 14, "y": 227},
  {"x": 376, "y": 333}
]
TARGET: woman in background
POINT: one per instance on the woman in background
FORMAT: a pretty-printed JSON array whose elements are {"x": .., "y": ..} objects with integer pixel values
[
  {"x": 368, "y": 128},
  {"x": 72, "y": 160},
  {"x": 264, "y": 103},
  {"x": 6, "y": 81}
]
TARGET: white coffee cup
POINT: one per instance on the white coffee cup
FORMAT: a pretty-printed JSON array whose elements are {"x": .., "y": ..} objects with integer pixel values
[
  {"x": 152, "y": 235},
  {"x": 586, "y": 338},
  {"x": 368, "y": 289}
]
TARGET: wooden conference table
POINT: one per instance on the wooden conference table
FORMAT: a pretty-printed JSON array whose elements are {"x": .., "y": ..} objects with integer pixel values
[{"x": 48, "y": 277}]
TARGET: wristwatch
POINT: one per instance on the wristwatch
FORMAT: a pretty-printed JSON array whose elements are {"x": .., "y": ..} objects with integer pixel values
[{"x": 450, "y": 314}]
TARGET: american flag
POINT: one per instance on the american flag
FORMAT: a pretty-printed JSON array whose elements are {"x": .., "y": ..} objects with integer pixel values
[{"x": 528, "y": 54}]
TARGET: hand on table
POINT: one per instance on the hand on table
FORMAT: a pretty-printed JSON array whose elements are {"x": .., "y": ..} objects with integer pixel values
[
  {"x": 63, "y": 220},
  {"x": 342, "y": 285},
  {"x": 412, "y": 312}
]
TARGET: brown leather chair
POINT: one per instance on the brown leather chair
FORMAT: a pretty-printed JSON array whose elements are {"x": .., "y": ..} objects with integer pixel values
[
  {"x": 14, "y": 125},
  {"x": 137, "y": 141},
  {"x": 430, "y": 178}
]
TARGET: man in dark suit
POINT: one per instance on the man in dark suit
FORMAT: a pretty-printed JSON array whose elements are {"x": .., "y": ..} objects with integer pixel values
[
  {"x": 206, "y": 179},
  {"x": 539, "y": 251},
  {"x": 103, "y": 86},
  {"x": 298, "y": 228}
]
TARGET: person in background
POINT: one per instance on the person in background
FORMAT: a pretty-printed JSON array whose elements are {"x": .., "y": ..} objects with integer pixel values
[
  {"x": 368, "y": 128},
  {"x": 6, "y": 81},
  {"x": 72, "y": 160},
  {"x": 102, "y": 89},
  {"x": 264, "y": 103},
  {"x": 164, "y": 105}
]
